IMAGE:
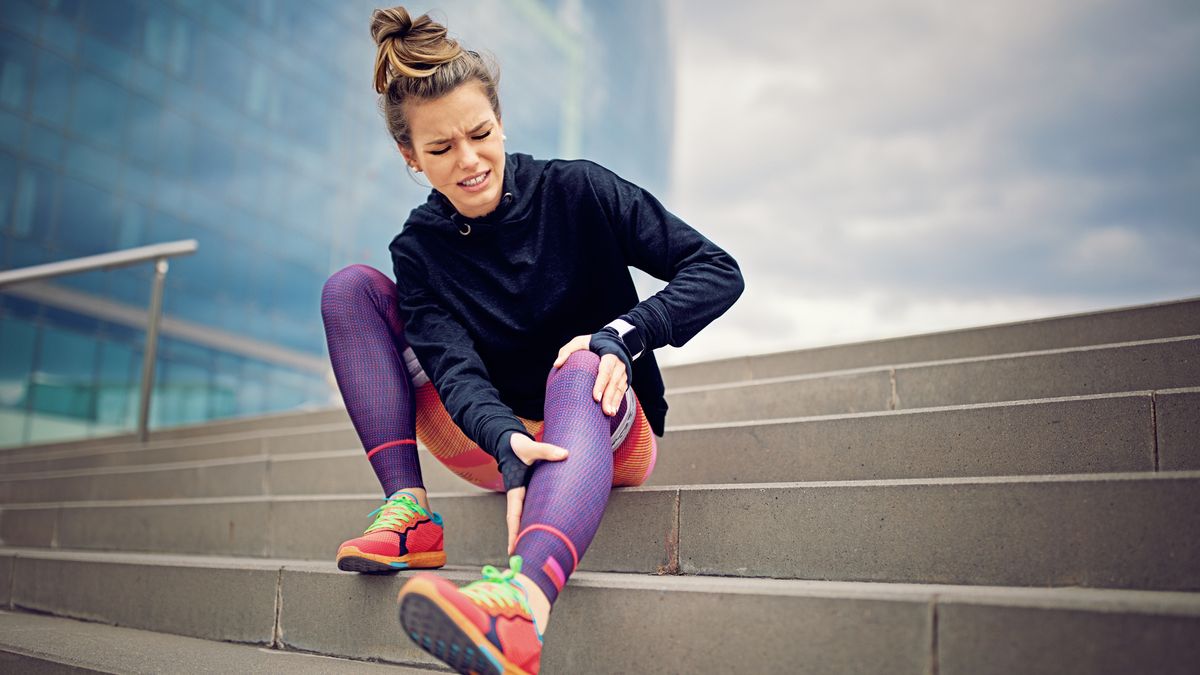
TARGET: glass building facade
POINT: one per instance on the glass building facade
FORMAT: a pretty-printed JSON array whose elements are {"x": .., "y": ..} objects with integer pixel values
[{"x": 251, "y": 127}]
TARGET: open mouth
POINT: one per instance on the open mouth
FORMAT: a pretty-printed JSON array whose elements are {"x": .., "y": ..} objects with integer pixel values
[{"x": 476, "y": 182}]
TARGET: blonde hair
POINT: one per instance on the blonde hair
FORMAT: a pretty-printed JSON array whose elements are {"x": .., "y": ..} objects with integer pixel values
[{"x": 416, "y": 60}]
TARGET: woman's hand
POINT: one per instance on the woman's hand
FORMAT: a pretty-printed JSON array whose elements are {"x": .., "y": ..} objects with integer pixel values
[
  {"x": 611, "y": 381},
  {"x": 527, "y": 450}
]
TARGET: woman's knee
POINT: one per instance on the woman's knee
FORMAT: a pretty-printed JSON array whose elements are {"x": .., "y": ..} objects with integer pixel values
[
  {"x": 578, "y": 372},
  {"x": 350, "y": 282}
]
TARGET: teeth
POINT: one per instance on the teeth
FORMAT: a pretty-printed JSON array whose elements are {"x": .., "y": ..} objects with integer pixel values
[{"x": 475, "y": 181}]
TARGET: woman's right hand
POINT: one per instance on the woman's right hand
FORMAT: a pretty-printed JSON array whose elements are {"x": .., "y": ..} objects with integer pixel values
[{"x": 527, "y": 450}]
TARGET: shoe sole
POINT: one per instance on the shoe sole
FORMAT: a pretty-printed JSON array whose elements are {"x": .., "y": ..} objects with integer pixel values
[
  {"x": 351, "y": 559},
  {"x": 436, "y": 626}
]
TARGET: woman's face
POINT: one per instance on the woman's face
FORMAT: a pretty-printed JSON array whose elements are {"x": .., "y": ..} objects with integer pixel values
[{"x": 457, "y": 143}]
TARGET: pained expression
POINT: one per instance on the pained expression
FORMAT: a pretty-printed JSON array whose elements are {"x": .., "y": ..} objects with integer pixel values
[{"x": 457, "y": 142}]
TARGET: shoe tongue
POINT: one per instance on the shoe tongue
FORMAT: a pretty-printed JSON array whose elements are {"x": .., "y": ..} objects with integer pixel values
[{"x": 383, "y": 536}]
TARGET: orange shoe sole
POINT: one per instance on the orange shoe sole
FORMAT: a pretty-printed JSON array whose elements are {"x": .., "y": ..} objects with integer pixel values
[
  {"x": 437, "y": 626},
  {"x": 351, "y": 559}
]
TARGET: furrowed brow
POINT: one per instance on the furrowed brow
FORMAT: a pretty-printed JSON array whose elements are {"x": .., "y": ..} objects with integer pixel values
[{"x": 443, "y": 141}]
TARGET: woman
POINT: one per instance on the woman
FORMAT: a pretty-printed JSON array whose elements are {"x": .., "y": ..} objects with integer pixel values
[{"x": 513, "y": 268}]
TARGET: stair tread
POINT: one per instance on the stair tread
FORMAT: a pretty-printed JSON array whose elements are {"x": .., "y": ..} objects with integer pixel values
[
  {"x": 1184, "y": 603},
  {"x": 105, "y": 648}
]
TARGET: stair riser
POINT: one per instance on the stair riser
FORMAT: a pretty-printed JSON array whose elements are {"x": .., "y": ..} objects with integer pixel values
[
  {"x": 1073, "y": 532},
  {"x": 1096, "y": 371},
  {"x": 1054, "y": 437},
  {"x": 1067, "y": 436},
  {"x": 1143, "y": 323},
  {"x": 304, "y": 440},
  {"x": 268, "y": 424},
  {"x": 236, "y": 605},
  {"x": 1136, "y": 534},
  {"x": 598, "y": 628},
  {"x": 350, "y": 473},
  {"x": 1178, "y": 430}
]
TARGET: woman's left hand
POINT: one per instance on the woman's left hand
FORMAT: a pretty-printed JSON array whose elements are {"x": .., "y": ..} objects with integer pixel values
[{"x": 611, "y": 381}]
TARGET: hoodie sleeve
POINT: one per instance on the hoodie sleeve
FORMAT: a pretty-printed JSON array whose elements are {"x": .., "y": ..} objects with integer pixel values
[
  {"x": 703, "y": 281},
  {"x": 447, "y": 354}
]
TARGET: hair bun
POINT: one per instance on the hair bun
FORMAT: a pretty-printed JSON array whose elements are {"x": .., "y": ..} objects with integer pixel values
[
  {"x": 407, "y": 47},
  {"x": 394, "y": 23}
]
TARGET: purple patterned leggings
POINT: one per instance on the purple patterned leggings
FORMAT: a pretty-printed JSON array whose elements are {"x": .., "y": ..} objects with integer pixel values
[{"x": 565, "y": 500}]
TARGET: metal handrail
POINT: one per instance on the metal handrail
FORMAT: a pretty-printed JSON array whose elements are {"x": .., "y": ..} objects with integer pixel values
[{"x": 131, "y": 256}]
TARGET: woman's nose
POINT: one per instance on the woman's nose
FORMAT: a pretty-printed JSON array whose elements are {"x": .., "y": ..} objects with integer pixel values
[{"x": 468, "y": 157}]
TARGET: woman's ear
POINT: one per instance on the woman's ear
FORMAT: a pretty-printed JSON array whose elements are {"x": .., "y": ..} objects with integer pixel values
[{"x": 408, "y": 157}]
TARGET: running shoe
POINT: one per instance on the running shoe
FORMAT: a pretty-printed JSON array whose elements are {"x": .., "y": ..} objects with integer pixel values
[
  {"x": 403, "y": 535},
  {"x": 484, "y": 627}
]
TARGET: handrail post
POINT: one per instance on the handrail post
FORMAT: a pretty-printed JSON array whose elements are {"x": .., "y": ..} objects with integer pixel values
[{"x": 148, "y": 357}]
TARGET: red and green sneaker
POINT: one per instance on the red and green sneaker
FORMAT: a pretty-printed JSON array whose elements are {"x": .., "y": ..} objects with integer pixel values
[
  {"x": 404, "y": 535},
  {"x": 484, "y": 627}
]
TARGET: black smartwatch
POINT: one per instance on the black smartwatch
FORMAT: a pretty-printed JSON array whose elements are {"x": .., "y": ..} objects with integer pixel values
[{"x": 630, "y": 336}]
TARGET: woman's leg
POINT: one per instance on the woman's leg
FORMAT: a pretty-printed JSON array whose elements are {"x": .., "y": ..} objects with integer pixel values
[
  {"x": 565, "y": 500},
  {"x": 495, "y": 624},
  {"x": 366, "y": 344}
]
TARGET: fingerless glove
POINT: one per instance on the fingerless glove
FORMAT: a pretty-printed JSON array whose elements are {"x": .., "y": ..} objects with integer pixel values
[{"x": 606, "y": 341}]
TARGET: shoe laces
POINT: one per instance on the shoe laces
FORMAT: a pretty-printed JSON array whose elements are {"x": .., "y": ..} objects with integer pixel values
[
  {"x": 499, "y": 588},
  {"x": 397, "y": 512}
]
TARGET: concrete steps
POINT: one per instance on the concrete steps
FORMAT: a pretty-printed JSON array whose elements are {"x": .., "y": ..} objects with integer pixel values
[
  {"x": 1015, "y": 498},
  {"x": 1144, "y": 322},
  {"x": 31, "y": 643},
  {"x": 665, "y": 623},
  {"x": 1079, "y": 371},
  {"x": 1086, "y": 434},
  {"x": 1027, "y": 530}
]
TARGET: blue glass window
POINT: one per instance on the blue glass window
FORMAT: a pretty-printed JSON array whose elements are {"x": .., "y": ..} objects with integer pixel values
[
  {"x": 64, "y": 382},
  {"x": 12, "y": 131},
  {"x": 21, "y": 15},
  {"x": 89, "y": 219},
  {"x": 132, "y": 229},
  {"x": 221, "y": 66},
  {"x": 8, "y": 189},
  {"x": 99, "y": 110},
  {"x": 117, "y": 388},
  {"x": 111, "y": 61},
  {"x": 16, "y": 360},
  {"x": 46, "y": 144},
  {"x": 143, "y": 129},
  {"x": 33, "y": 211},
  {"x": 175, "y": 149},
  {"x": 119, "y": 21},
  {"x": 16, "y": 70},
  {"x": 52, "y": 95}
]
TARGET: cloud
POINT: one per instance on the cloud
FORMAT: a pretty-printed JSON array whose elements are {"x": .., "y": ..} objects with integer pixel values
[{"x": 902, "y": 167}]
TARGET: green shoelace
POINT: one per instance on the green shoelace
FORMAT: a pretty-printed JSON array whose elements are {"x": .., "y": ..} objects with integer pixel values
[
  {"x": 396, "y": 512},
  {"x": 497, "y": 589}
]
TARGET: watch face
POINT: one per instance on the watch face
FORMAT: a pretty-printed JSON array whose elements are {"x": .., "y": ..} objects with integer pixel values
[{"x": 633, "y": 342}]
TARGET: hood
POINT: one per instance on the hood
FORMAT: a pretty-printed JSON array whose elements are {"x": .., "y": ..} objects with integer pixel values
[{"x": 522, "y": 176}]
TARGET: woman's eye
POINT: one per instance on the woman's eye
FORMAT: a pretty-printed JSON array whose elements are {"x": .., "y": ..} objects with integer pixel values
[
  {"x": 440, "y": 152},
  {"x": 482, "y": 136}
]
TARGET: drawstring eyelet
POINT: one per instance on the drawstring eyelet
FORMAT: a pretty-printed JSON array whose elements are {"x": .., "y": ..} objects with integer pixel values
[{"x": 464, "y": 229}]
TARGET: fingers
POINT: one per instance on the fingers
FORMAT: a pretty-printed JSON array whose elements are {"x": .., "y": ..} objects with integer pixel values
[
  {"x": 529, "y": 451},
  {"x": 617, "y": 389},
  {"x": 608, "y": 363},
  {"x": 549, "y": 452},
  {"x": 611, "y": 383},
  {"x": 516, "y": 504},
  {"x": 577, "y": 343}
]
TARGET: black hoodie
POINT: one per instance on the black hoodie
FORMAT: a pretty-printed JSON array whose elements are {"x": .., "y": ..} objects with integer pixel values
[{"x": 486, "y": 312}]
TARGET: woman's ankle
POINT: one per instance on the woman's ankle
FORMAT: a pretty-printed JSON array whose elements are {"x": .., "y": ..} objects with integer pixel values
[
  {"x": 418, "y": 494},
  {"x": 539, "y": 605}
]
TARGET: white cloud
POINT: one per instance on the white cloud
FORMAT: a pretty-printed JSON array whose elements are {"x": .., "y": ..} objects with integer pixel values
[{"x": 909, "y": 166}]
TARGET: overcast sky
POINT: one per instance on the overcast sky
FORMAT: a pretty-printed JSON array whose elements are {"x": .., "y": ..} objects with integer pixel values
[{"x": 889, "y": 168}]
